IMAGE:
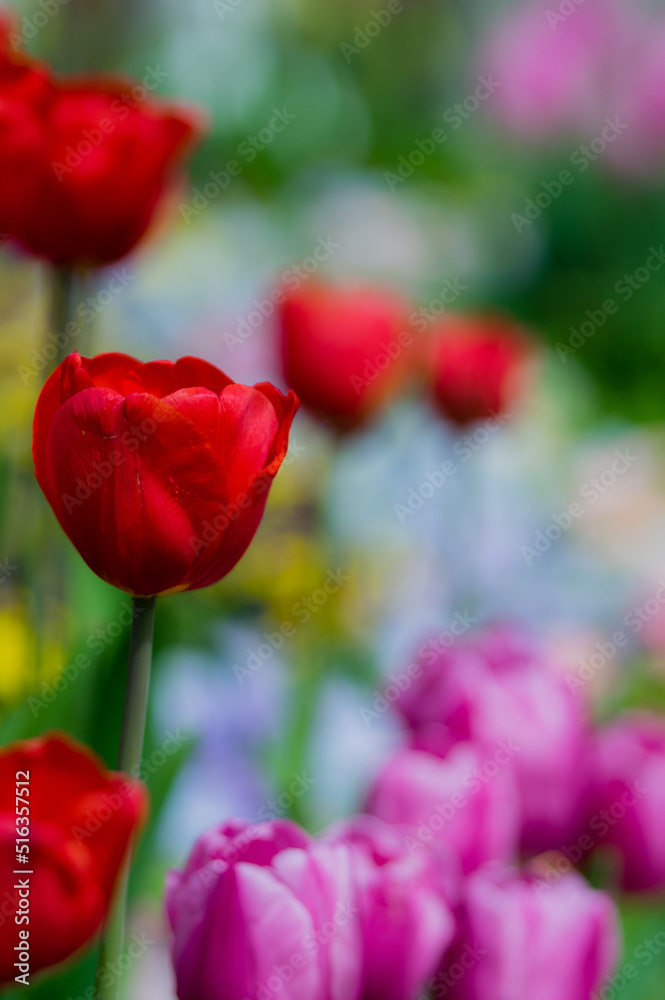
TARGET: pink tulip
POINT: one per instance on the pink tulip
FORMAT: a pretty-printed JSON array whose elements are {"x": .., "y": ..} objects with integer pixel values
[
  {"x": 262, "y": 910},
  {"x": 641, "y": 103},
  {"x": 407, "y": 924},
  {"x": 498, "y": 687},
  {"x": 522, "y": 939},
  {"x": 552, "y": 70},
  {"x": 628, "y": 802},
  {"x": 466, "y": 800}
]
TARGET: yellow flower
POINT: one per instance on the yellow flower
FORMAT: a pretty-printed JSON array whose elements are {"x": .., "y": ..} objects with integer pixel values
[{"x": 22, "y": 664}]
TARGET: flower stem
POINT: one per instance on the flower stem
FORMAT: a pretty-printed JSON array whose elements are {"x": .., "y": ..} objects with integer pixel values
[
  {"x": 50, "y": 590},
  {"x": 129, "y": 761},
  {"x": 62, "y": 308},
  {"x": 138, "y": 684}
]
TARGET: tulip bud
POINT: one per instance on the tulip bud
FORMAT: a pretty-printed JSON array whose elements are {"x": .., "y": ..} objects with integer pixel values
[
  {"x": 628, "y": 799},
  {"x": 79, "y": 820},
  {"x": 476, "y": 366},
  {"x": 406, "y": 921},
  {"x": 85, "y": 166},
  {"x": 553, "y": 62},
  {"x": 467, "y": 800},
  {"x": 158, "y": 473},
  {"x": 263, "y": 910},
  {"x": 499, "y": 687},
  {"x": 344, "y": 351},
  {"x": 523, "y": 939}
]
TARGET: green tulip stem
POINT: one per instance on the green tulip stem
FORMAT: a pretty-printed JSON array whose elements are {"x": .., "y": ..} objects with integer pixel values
[
  {"x": 51, "y": 590},
  {"x": 129, "y": 761},
  {"x": 62, "y": 309}
]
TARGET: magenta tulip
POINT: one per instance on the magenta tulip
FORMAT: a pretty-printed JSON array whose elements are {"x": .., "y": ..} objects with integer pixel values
[
  {"x": 552, "y": 69},
  {"x": 467, "y": 800},
  {"x": 642, "y": 103},
  {"x": 500, "y": 687},
  {"x": 406, "y": 922},
  {"x": 263, "y": 910},
  {"x": 628, "y": 801},
  {"x": 521, "y": 939}
]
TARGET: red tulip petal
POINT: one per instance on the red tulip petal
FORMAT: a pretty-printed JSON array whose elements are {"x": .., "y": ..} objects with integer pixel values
[
  {"x": 196, "y": 372},
  {"x": 202, "y": 408},
  {"x": 59, "y": 770},
  {"x": 163, "y": 475},
  {"x": 286, "y": 408},
  {"x": 250, "y": 427},
  {"x": 81, "y": 821},
  {"x": 66, "y": 903},
  {"x": 158, "y": 472}
]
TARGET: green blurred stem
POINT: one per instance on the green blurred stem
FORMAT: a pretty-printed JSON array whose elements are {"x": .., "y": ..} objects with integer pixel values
[
  {"x": 62, "y": 307},
  {"x": 50, "y": 588},
  {"x": 129, "y": 761},
  {"x": 297, "y": 743}
]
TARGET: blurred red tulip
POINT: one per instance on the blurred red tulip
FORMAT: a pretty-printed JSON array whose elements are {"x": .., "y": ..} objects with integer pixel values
[
  {"x": 628, "y": 802},
  {"x": 344, "y": 350},
  {"x": 158, "y": 473},
  {"x": 79, "y": 823},
  {"x": 25, "y": 90},
  {"x": 476, "y": 366},
  {"x": 86, "y": 165}
]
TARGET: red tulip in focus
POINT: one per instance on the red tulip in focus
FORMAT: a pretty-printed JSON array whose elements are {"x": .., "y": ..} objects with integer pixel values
[
  {"x": 84, "y": 166},
  {"x": 158, "y": 473},
  {"x": 476, "y": 366},
  {"x": 76, "y": 821},
  {"x": 344, "y": 351}
]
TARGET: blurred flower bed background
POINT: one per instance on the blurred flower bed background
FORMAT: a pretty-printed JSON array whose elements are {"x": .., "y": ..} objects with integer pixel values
[{"x": 476, "y": 158}]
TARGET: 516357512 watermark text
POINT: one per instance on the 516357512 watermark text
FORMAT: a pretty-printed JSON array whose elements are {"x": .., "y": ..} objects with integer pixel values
[{"x": 22, "y": 873}]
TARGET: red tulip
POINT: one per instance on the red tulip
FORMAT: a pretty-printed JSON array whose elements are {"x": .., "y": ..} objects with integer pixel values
[
  {"x": 25, "y": 89},
  {"x": 77, "y": 828},
  {"x": 158, "y": 473},
  {"x": 477, "y": 366},
  {"x": 344, "y": 351},
  {"x": 87, "y": 166}
]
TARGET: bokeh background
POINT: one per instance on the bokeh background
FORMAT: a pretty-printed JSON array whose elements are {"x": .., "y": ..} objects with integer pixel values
[{"x": 233, "y": 720}]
